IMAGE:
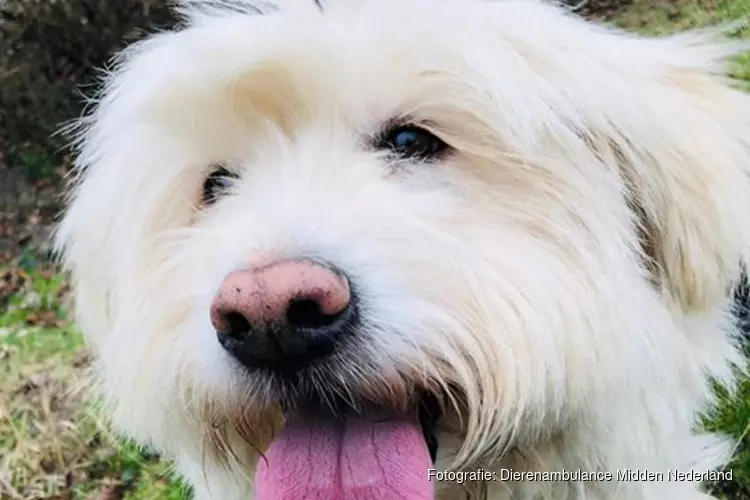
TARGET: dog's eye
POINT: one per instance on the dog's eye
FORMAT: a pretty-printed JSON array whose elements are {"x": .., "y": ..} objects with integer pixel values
[
  {"x": 412, "y": 142},
  {"x": 216, "y": 184}
]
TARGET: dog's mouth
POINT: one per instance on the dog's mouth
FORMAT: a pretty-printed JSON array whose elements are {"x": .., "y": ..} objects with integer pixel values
[{"x": 368, "y": 454}]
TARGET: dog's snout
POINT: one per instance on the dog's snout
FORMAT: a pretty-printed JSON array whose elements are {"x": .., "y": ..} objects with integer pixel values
[{"x": 282, "y": 315}]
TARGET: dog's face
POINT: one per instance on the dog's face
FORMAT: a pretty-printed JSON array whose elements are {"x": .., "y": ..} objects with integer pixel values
[{"x": 517, "y": 211}]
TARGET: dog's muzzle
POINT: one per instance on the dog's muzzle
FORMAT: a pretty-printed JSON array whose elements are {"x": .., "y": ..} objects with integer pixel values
[{"x": 280, "y": 319}]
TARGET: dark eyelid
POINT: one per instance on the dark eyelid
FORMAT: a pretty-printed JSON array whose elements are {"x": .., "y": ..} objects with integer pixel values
[
  {"x": 211, "y": 182},
  {"x": 433, "y": 147},
  {"x": 221, "y": 169}
]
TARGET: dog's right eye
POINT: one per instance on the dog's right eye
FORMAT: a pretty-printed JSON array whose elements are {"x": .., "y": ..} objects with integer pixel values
[
  {"x": 412, "y": 143},
  {"x": 216, "y": 184}
]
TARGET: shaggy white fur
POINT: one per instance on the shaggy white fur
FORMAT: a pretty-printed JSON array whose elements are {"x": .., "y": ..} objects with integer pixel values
[{"x": 561, "y": 274}]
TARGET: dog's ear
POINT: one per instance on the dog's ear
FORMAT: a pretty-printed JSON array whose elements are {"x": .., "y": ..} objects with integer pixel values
[
  {"x": 662, "y": 112},
  {"x": 682, "y": 145}
]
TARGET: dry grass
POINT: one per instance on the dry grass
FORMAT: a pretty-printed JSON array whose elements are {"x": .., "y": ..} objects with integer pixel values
[{"x": 54, "y": 441}]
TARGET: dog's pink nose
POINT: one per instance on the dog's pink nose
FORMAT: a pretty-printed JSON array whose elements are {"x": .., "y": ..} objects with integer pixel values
[{"x": 282, "y": 315}]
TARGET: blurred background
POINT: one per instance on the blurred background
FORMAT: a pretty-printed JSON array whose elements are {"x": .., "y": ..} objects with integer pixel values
[{"x": 54, "y": 442}]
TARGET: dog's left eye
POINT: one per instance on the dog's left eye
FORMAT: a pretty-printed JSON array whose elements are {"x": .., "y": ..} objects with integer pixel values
[
  {"x": 216, "y": 184},
  {"x": 412, "y": 142}
]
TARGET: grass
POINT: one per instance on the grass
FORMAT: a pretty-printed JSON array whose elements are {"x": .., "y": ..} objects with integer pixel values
[
  {"x": 58, "y": 446},
  {"x": 54, "y": 443},
  {"x": 654, "y": 17}
]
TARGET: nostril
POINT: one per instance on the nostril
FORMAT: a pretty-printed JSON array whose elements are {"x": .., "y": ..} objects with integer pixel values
[
  {"x": 284, "y": 315},
  {"x": 237, "y": 325},
  {"x": 307, "y": 313}
]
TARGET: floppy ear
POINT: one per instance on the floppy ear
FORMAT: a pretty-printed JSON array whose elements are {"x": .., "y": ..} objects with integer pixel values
[{"x": 684, "y": 154}]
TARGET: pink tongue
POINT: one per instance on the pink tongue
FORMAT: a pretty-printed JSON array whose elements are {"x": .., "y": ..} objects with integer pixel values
[{"x": 352, "y": 459}]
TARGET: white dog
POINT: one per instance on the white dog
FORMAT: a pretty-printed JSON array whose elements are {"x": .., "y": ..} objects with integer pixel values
[{"x": 369, "y": 238}]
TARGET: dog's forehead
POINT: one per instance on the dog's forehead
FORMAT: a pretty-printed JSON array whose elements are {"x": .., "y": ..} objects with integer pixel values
[
  {"x": 471, "y": 68},
  {"x": 360, "y": 62},
  {"x": 334, "y": 49}
]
